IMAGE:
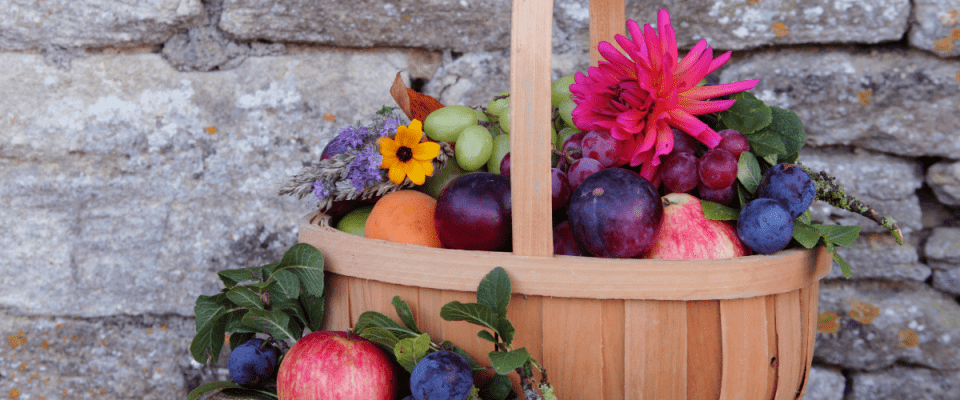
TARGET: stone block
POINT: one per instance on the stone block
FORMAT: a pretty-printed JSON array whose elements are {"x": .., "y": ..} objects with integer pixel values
[
  {"x": 944, "y": 179},
  {"x": 904, "y": 383},
  {"x": 120, "y": 357},
  {"x": 434, "y": 24},
  {"x": 947, "y": 280},
  {"x": 888, "y": 100},
  {"x": 943, "y": 248},
  {"x": 878, "y": 256},
  {"x": 935, "y": 27},
  {"x": 31, "y": 24},
  {"x": 126, "y": 176},
  {"x": 871, "y": 325},
  {"x": 825, "y": 384},
  {"x": 736, "y": 25}
]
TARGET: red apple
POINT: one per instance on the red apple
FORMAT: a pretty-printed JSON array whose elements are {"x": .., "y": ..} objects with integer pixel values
[
  {"x": 335, "y": 365},
  {"x": 686, "y": 234}
]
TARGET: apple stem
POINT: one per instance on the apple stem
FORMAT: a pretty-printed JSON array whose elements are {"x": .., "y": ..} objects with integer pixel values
[{"x": 830, "y": 191}]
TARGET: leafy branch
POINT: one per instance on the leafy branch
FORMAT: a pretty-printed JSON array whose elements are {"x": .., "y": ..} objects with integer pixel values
[{"x": 829, "y": 191}]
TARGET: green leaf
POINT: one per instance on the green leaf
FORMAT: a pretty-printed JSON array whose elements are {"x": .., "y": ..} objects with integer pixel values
[
  {"x": 239, "y": 338},
  {"x": 743, "y": 197},
  {"x": 307, "y": 262},
  {"x": 788, "y": 159},
  {"x": 405, "y": 314},
  {"x": 204, "y": 389},
  {"x": 410, "y": 351},
  {"x": 486, "y": 335},
  {"x": 274, "y": 323},
  {"x": 746, "y": 115},
  {"x": 245, "y": 297},
  {"x": 380, "y": 336},
  {"x": 838, "y": 234},
  {"x": 494, "y": 291},
  {"x": 208, "y": 308},
  {"x": 473, "y": 313},
  {"x": 248, "y": 393},
  {"x": 473, "y": 364},
  {"x": 805, "y": 234},
  {"x": 235, "y": 322},
  {"x": 504, "y": 362},
  {"x": 788, "y": 125},
  {"x": 718, "y": 212},
  {"x": 770, "y": 161},
  {"x": 231, "y": 277},
  {"x": 287, "y": 286},
  {"x": 805, "y": 217},
  {"x": 748, "y": 171},
  {"x": 293, "y": 309},
  {"x": 373, "y": 318},
  {"x": 506, "y": 330},
  {"x": 209, "y": 340},
  {"x": 765, "y": 143},
  {"x": 498, "y": 387},
  {"x": 847, "y": 273},
  {"x": 313, "y": 306}
]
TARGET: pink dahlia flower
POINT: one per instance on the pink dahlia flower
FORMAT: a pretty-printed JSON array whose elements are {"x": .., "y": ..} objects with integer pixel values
[{"x": 640, "y": 96}]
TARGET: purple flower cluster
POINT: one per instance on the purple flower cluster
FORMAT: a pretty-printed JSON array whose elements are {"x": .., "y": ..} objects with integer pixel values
[
  {"x": 351, "y": 137},
  {"x": 320, "y": 190},
  {"x": 389, "y": 127},
  {"x": 365, "y": 168}
]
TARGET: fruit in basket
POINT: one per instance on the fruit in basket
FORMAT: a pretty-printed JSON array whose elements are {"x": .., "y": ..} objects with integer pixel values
[
  {"x": 473, "y": 212},
  {"x": 441, "y": 375},
  {"x": 501, "y": 146},
  {"x": 600, "y": 146},
  {"x": 686, "y": 234},
  {"x": 433, "y": 185},
  {"x": 474, "y": 147},
  {"x": 253, "y": 363},
  {"x": 564, "y": 243},
  {"x": 560, "y": 195},
  {"x": 445, "y": 124},
  {"x": 680, "y": 172},
  {"x": 560, "y": 90},
  {"x": 505, "y": 166},
  {"x": 615, "y": 213},
  {"x": 581, "y": 169},
  {"x": 354, "y": 222},
  {"x": 734, "y": 142},
  {"x": 718, "y": 168},
  {"x": 566, "y": 110},
  {"x": 723, "y": 196},
  {"x": 765, "y": 226},
  {"x": 497, "y": 104},
  {"x": 404, "y": 216},
  {"x": 336, "y": 365},
  {"x": 790, "y": 185}
]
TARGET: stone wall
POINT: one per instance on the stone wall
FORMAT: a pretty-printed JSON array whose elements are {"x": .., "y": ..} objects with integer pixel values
[{"x": 142, "y": 144}]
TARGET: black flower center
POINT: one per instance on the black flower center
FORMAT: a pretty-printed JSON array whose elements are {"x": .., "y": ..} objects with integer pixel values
[{"x": 404, "y": 153}]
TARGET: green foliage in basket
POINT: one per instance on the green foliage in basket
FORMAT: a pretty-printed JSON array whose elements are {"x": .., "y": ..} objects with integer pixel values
[
  {"x": 278, "y": 299},
  {"x": 776, "y": 136},
  {"x": 409, "y": 344}
]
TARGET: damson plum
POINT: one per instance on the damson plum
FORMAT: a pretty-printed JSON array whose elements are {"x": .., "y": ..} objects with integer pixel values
[
  {"x": 790, "y": 185},
  {"x": 442, "y": 375},
  {"x": 473, "y": 212},
  {"x": 253, "y": 363},
  {"x": 615, "y": 213},
  {"x": 765, "y": 226}
]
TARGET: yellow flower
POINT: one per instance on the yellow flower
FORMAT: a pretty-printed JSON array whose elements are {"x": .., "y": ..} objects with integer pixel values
[{"x": 405, "y": 156}]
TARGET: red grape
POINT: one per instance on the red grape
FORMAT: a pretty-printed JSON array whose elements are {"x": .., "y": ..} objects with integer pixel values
[
  {"x": 718, "y": 169},
  {"x": 723, "y": 196},
  {"x": 683, "y": 143},
  {"x": 561, "y": 188},
  {"x": 505, "y": 166},
  {"x": 679, "y": 172},
  {"x": 601, "y": 146},
  {"x": 734, "y": 142},
  {"x": 581, "y": 169}
]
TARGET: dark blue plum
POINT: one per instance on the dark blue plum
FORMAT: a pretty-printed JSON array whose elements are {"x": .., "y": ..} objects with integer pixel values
[
  {"x": 765, "y": 226},
  {"x": 252, "y": 364},
  {"x": 790, "y": 185},
  {"x": 443, "y": 375},
  {"x": 615, "y": 213}
]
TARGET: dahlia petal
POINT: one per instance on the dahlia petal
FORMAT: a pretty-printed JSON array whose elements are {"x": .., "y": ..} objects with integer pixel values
[
  {"x": 654, "y": 52},
  {"x": 648, "y": 170},
  {"x": 664, "y": 142},
  {"x": 717, "y": 62},
  {"x": 699, "y": 107},
  {"x": 698, "y": 70},
  {"x": 628, "y": 46},
  {"x": 668, "y": 38},
  {"x": 617, "y": 59},
  {"x": 683, "y": 121},
  {"x": 692, "y": 56},
  {"x": 709, "y": 92},
  {"x": 636, "y": 34}
]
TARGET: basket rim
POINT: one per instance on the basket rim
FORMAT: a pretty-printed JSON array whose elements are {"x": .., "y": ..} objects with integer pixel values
[{"x": 565, "y": 276}]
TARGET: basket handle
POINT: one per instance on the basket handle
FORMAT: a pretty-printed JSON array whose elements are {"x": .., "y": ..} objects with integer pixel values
[{"x": 530, "y": 79}]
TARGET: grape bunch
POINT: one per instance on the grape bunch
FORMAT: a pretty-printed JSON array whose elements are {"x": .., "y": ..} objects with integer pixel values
[{"x": 713, "y": 172}]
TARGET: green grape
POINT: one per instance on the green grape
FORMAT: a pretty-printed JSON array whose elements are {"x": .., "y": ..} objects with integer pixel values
[
  {"x": 560, "y": 89},
  {"x": 505, "y": 119},
  {"x": 435, "y": 184},
  {"x": 566, "y": 110},
  {"x": 553, "y": 134},
  {"x": 482, "y": 116},
  {"x": 565, "y": 134},
  {"x": 473, "y": 148},
  {"x": 445, "y": 124},
  {"x": 494, "y": 107},
  {"x": 501, "y": 146}
]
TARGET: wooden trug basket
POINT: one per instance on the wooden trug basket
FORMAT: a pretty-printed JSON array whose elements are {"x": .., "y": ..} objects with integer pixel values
[{"x": 604, "y": 329}]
